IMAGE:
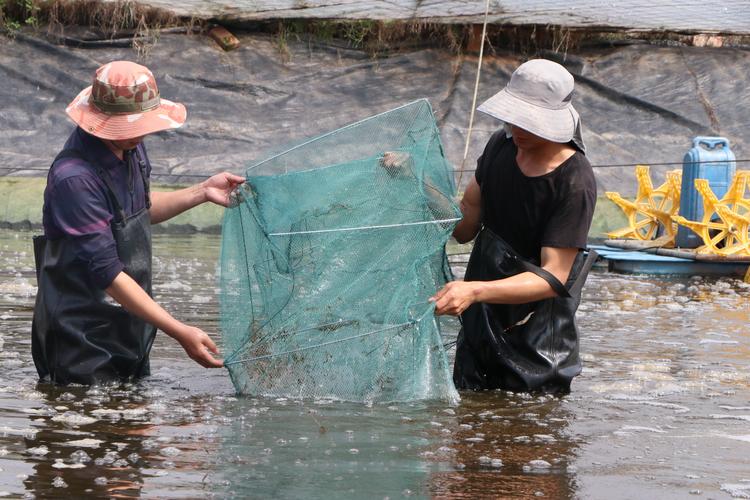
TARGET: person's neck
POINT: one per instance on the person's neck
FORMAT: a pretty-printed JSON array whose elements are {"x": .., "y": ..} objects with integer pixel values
[
  {"x": 543, "y": 159},
  {"x": 118, "y": 152}
]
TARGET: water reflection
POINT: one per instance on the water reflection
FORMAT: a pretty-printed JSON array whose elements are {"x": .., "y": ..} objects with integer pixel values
[
  {"x": 508, "y": 446},
  {"x": 92, "y": 466},
  {"x": 660, "y": 411},
  {"x": 105, "y": 441}
]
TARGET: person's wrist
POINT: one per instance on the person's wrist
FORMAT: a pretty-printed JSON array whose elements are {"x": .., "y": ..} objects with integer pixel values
[
  {"x": 477, "y": 291},
  {"x": 177, "y": 330},
  {"x": 203, "y": 192}
]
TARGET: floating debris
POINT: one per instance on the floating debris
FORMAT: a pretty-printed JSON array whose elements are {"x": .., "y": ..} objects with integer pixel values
[
  {"x": 84, "y": 443},
  {"x": 74, "y": 418},
  {"x": 59, "y": 464},
  {"x": 38, "y": 451},
  {"x": 59, "y": 482}
]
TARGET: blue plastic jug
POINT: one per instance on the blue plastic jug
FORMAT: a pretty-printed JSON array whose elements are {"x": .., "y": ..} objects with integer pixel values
[{"x": 710, "y": 158}]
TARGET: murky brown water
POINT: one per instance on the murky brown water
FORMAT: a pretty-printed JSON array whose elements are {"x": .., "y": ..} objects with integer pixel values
[{"x": 662, "y": 410}]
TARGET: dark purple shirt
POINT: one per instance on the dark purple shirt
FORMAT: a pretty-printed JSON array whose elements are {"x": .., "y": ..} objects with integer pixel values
[{"x": 77, "y": 205}]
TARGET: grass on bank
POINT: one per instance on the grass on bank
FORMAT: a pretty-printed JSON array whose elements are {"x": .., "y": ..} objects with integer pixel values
[
  {"x": 142, "y": 24},
  {"x": 21, "y": 200}
]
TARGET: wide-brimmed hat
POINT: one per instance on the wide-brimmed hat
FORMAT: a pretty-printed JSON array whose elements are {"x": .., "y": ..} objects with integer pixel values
[
  {"x": 538, "y": 99},
  {"x": 124, "y": 103}
]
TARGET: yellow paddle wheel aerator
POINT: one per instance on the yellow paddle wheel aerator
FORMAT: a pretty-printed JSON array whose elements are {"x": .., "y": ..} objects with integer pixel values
[
  {"x": 725, "y": 226},
  {"x": 651, "y": 215}
]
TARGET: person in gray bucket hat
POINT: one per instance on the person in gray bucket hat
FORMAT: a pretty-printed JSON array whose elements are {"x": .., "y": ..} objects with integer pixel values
[{"x": 528, "y": 208}]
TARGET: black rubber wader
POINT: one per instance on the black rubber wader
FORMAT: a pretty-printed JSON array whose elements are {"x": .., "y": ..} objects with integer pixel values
[
  {"x": 79, "y": 334},
  {"x": 525, "y": 347}
]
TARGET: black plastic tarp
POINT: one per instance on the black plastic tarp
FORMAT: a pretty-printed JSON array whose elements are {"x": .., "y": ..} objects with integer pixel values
[{"x": 639, "y": 103}]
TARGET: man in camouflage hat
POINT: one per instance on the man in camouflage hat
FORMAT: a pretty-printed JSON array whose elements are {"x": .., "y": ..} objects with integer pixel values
[{"x": 97, "y": 218}]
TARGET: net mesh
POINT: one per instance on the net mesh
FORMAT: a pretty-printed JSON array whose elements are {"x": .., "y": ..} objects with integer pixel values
[{"x": 328, "y": 259}]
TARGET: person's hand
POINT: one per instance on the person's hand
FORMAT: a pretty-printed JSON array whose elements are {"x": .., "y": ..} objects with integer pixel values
[
  {"x": 199, "y": 346},
  {"x": 455, "y": 297},
  {"x": 219, "y": 187},
  {"x": 395, "y": 162}
]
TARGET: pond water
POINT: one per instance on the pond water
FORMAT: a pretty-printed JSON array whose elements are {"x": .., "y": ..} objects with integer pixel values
[{"x": 662, "y": 410}]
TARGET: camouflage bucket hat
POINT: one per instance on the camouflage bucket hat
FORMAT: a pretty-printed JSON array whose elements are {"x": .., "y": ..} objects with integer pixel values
[{"x": 124, "y": 103}]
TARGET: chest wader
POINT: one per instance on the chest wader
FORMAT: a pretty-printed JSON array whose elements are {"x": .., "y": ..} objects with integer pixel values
[
  {"x": 519, "y": 347},
  {"x": 78, "y": 336}
]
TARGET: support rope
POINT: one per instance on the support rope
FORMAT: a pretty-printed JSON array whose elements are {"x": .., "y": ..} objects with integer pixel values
[{"x": 474, "y": 99}]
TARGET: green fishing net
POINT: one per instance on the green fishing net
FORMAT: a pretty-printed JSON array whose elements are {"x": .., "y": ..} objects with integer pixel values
[{"x": 328, "y": 258}]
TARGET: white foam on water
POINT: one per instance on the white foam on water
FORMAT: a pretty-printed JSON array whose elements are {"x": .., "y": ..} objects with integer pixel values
[
  {"x": 537, "y": 466},
  {"x": 80, "y": 457},
  {"x": 134, "y": 414},
  {"x": 11, "y": 431},
  {"x": 745, "y": 437},
  {"x": 716, "y": 334},
  {"x": 721, "y": 416},
  {"x": 59, "y": 482},
  {"x": 175, "y": 285},
  {"x": 665, "y": 389},
  {"x": 107, "y": 413},
  {"x": 170, "y": 451},
  {"x": 66, "y": 396},
  {"x": 665, "y": 342},
  {"x": 545, "y": 438},
  {"x": 154, "y": 472},
  {"x": 729, "y": 407},
  {"x": 84, "y": 443},
  {"x": 38, "y": 451},
  {"x": 720, "y": 342},
  {"x": 736, "y": 490},
  {"x": 59, "y": 464},
  {"x": 74, "y": 418},
  {"x": 44, "y": 411},
  {"x": 670, "y": 406},
  {"x": 639, "y": 428},
  {"x": 620, "y": 387}
]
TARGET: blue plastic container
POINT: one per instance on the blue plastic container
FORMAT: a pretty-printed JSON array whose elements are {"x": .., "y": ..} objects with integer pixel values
[{"x": 710, "y": 158}]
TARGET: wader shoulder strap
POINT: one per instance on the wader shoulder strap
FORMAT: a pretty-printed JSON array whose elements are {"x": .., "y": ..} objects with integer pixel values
[
  {"x": 577, "y": 285},
  {"x": 103, "y": 174},
  {"x": 547, "y": 276},
  {"x": 556, "y": 285},
  {"x": 144, "y": 177}
]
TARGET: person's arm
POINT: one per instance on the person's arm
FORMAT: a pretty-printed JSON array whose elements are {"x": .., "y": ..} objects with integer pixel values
[
  {"x": 401, "y": 164},
  {"x": 197, "y": 344},
  {"x": 167, "y": 204},
  {"x": 456, "y": 296},
  {"x": 471, "y": 204}
]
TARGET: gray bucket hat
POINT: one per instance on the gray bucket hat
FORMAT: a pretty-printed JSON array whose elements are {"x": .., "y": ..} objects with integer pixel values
[{"x": 538, "y": 99}]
